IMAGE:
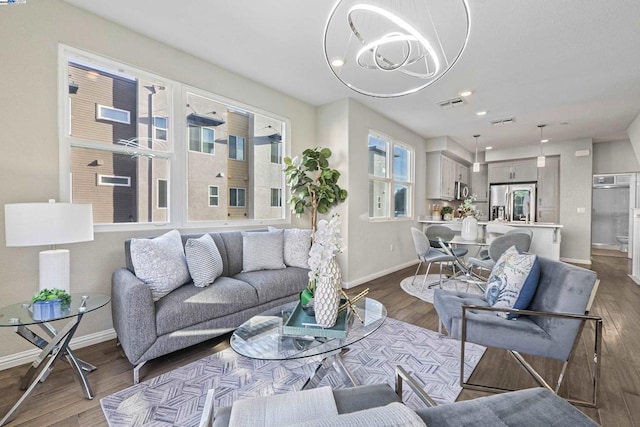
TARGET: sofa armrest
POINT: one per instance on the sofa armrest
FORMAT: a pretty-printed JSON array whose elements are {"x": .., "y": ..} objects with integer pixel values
[
  {"x": 134, "y": 314},
  {"x": 402, "y": 375}
]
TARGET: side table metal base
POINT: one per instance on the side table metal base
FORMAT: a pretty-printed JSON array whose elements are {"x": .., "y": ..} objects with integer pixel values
[{"x": 51, "y": 351}]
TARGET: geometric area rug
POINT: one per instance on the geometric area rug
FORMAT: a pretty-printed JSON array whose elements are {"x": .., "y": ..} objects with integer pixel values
[{"x": 176, "y": 398}]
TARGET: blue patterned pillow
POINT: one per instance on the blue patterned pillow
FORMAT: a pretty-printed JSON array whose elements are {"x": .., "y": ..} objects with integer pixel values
[{"x": 513, "y": 281}]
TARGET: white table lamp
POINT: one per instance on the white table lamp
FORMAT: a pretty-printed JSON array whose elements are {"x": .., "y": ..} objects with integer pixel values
[{"x": 37, "y": 224}]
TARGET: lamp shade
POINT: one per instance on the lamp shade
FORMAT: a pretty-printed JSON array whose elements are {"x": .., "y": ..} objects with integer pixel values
[{"x": 36, "y": 224}]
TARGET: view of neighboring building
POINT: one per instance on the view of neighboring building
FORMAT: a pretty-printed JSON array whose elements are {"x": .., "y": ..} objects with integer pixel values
[{"x": 121, "y": 154}]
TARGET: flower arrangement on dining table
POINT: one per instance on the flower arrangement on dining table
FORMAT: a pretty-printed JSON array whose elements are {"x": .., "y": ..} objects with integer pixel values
[{"x": 467, "y": 207}]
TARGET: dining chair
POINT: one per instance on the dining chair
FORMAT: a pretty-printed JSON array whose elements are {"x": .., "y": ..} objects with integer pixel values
[
  {"x": 428, "y": 255},
  {"x": 437, "y": 233},
  {"x": 520, "y": 239}
]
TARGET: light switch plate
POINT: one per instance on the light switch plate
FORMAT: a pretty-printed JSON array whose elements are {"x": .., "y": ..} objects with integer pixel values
[{"x": 581, "y": 210}]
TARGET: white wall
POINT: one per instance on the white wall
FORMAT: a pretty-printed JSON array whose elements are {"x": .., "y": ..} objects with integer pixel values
[
  {"x": 369, "y": 242},
  {"x": 575, "y": 192},
  {"x": 614, "y": 157},
  {"x": 634, "y": 136},
  {"x": 29, "y": 169}
]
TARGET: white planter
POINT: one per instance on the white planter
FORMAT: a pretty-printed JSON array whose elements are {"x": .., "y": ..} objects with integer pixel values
[
  {"x": 469, "y": 228},
  {"x": 327, "y": 295}
]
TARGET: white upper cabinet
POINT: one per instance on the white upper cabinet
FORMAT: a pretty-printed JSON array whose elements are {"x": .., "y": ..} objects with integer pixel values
[{"x": 513, "y": 171}]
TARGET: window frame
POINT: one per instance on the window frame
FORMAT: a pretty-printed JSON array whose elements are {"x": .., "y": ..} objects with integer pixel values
[
  {"x": 244, "y": 147},
  {"x": 389, "y": 179},
  {"x": 278, "y": 197},
  {"x": 176, "y": 154},
  {"x": 216, "y": 196},
  {"x": 159, "y": 196},
  {"x": 244, "y": 198},
  {"x": 101, "y": 107},
  {"x": 100, "y": 176},
  {"x": 157, "y": 128}
]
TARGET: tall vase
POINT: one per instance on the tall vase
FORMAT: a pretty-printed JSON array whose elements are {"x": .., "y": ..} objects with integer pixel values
[
  {"x": 327, "y": 295},
  {"x": 469, "y": 228}
]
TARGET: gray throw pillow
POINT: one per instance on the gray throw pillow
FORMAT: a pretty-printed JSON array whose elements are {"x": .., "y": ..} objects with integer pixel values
[
  {"x": 160, "y": 263},
  {"x": 262, "y": 251},
  {"x": 204, "y": 260},
  {"x": 297, "y": 243}
]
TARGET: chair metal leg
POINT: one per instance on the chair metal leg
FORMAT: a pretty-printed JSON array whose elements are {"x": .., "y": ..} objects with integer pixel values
[
  {"x": 426, "y": 274},
  {"x": 416, "y": 273},
  {"x": 136, "y": 372},
  {"x": 595, "y": 369}
]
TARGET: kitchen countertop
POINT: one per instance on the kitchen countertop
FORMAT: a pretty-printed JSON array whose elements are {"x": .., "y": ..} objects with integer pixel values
[{"x": 513, "y": 224}]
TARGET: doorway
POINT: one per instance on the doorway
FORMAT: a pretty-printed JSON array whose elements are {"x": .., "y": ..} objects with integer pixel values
[{"x": 612, "y": 201}]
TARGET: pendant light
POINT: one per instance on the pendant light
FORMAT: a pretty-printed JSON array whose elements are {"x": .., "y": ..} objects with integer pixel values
[
  {"x": 541, "y": 159},
  {"x": 476, "y": 165}
]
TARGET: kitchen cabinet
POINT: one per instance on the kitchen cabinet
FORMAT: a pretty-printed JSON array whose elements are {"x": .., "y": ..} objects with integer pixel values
[
  {"x": 441, "y": 177},
  {"x": 479, "y": 183},
  {"x": 513, "y": 171},
  {"x": 548, "y": 191},
  {"x": 461, "y": 173}
]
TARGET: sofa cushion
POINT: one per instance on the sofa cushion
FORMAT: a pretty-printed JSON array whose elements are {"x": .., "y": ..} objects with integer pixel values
[
  {"x": 513, "y": 281},
  {"x": 204, "y": 260},
  {"x": 449, "y": 304},
  {"x": 189, "y": 305},
  {"x": 274, "y": 284},
  {"x": 262, "y": 250},
  {"x": 160, "y": 263},
  {"x": 297, "y": 243}
]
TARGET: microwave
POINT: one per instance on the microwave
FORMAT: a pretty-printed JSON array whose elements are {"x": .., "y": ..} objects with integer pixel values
[{"x": 462, "y": 191}]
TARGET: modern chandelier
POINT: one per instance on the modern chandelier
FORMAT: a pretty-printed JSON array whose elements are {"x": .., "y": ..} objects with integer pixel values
[{"x": 391, "y": 48}]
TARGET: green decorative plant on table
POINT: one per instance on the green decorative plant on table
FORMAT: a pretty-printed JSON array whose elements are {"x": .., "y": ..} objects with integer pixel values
[
  {"x": 50, "y": 304},
  {"x": 53, "y": 295},
  {"x": 314, "y": 187}
]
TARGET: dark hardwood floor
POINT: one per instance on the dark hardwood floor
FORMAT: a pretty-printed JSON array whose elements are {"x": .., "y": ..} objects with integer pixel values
[{"x": 59, "y": 400}]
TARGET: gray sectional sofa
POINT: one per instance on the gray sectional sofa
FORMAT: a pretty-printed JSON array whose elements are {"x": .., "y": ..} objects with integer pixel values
[{"x": 188, "y": 315}]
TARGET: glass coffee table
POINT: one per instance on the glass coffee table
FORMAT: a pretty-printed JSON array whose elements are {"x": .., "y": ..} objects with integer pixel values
[
  {"x": 54, "y": 344},
  {"x": 262, "y": 337}
]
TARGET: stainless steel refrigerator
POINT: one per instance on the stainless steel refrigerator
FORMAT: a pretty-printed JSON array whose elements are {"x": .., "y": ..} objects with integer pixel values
[{"x": 513, "y": 202}]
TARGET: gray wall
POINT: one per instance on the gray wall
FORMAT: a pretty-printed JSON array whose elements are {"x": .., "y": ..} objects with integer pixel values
[
  {"x": 575, "y": 192},
  {"x": 29, "y": 167}
]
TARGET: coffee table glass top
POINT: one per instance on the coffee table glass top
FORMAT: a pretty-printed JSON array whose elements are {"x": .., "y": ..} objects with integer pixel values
[
  {"x": 22, "y": 314},
  {"x": 261, "y": 337}
]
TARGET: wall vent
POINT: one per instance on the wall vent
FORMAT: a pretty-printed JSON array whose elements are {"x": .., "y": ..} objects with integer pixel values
[
  {"x": 452, "y": 103},
  {"x": 507, "y": 121}
]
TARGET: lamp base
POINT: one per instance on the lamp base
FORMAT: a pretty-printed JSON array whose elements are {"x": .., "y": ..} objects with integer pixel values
[{"x": 54, "y": 269}]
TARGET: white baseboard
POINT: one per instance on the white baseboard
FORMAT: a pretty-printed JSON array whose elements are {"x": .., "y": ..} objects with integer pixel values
[
  {"x": 27, "y": 356},
  {"x": 576, "y": 261},
  {"x": 360, "y": 281}
]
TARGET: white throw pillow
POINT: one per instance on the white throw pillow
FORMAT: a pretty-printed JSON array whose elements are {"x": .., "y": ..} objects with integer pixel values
[
  {"x": 297, "y": 243},
  {"x": 513, "y": 281},
  {"x": 160, "y": 263},
  {"x": 262, "y": 251},
  {"x": 204, "y": 260}
]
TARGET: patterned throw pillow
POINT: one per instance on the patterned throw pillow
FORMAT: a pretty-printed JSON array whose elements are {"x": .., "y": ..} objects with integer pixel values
[
  {"x": 513, "y": 281},
  {"x": 297, "y": 243},
  {"x": 262, "y": 251},
  {"x": 160, "y": 263},
  {"x": 204, "y": 260}
]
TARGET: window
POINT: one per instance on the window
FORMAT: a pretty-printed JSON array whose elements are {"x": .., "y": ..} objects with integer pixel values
[
  {"x": 236, "y": 197},
  {"x": 390, "y": 178},
  {"x": 236, "y": 147},
  {"x": 276, "y": 197},
  {"x": 120, "y": 154},
  {"x": 276, "y": 152},
  {"x": 112, "y": 114},
  {"x": 201, "y": 139},
  {"x": 213, "y": 195},
  {"x": 115, "y": 181},
  {"x": 163, "y": 194},
  {"x": 160, "y": 128}
]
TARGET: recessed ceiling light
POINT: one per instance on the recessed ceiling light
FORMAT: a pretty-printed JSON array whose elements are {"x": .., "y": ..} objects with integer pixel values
[
  {"x": 488, "y": 148},
  {"x": 481, "y": 113},
  {"x": 465, "y": 93},
  {"x": 337, "y": 62},
  {"x": 544, "y": 140}
]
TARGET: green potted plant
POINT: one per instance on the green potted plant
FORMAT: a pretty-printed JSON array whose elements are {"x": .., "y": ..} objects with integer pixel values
[
  {"x": 447, "y": 213},
  {"x": 313, "y": 183},
  {"x": 314, "y": 186},
  {"x": 50, "y": 303}
]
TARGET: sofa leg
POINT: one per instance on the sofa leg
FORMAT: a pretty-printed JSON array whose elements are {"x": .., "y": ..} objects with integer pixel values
[{"x": 136, "y": 372}]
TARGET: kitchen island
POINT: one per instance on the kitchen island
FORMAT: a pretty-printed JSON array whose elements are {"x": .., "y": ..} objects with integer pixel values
[{"x": 546, "y": 236}]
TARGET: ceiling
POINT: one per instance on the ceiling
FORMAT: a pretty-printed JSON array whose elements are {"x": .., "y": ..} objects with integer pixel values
[{"x": 571, "y": 64}]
